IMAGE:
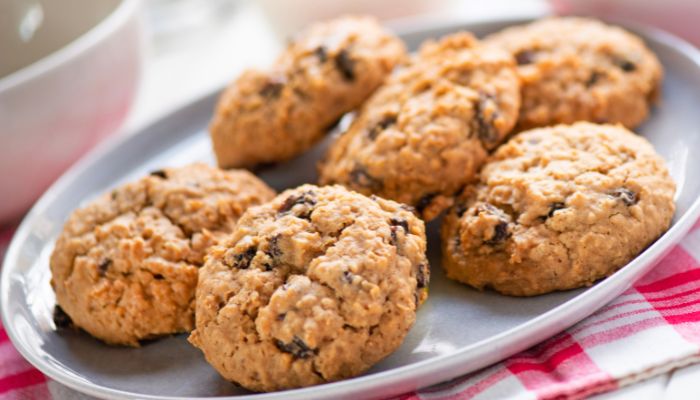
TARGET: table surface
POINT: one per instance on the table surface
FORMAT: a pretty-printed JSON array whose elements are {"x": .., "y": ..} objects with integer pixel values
[{"x": 219, "y": 47}]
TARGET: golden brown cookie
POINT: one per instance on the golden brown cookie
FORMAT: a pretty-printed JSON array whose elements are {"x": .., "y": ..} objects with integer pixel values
[
  {"x": 315, "y": 286},
  {"x": 426, "y": 132},
  {"x": 125, "y": 266},
  {"x": 577, "y": 69},
  {"x": 558, "y": 208},
  {"x": 329, "y": 69}
]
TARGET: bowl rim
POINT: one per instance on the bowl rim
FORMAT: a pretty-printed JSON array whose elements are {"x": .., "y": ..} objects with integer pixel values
[{"x": 73, "y": 49}]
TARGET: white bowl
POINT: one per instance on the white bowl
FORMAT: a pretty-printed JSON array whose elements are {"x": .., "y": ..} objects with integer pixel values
[{"x": 68, "y": 74}]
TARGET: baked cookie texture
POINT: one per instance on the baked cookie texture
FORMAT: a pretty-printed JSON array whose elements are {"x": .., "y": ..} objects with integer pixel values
[
  {"x": 329, "y": 69},
  {"x": 577, "y": 69},
  {"x": 315, "y": 286},
  {"x": 558, "y": 208},
  {"x": 125, "y": 266},
  {"x": 425, "y": 133}
]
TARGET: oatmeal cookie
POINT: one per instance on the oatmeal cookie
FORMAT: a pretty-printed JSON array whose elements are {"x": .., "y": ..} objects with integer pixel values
[
  {"x": 577, "y": 69},
  {"x": 125, "y": 266},
  {"x": 425, "y": 133},
  {"x": 329, "y": 69},
  {"x": 315, "y": 286},
  {"x": 558, "y": 208}
]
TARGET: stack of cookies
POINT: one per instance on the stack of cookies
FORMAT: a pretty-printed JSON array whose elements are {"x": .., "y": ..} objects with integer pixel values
[{"x": 520, "y": 141}]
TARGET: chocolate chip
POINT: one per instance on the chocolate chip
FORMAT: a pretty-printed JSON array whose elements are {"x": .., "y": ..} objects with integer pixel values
[
  {"x": 627, "y": 196},
  {"x": 297, "y": 348},
  {"x": 345, "y": 65},
  {"x": 272, "y": 89},
  {"x": 60, "y": 318},
  {"x": 625, "y": 64},
  {"x": 159, "y": 173},
  {"x": 554, "y": 207},
  {"x": 424, "y": 202},
  {"x": 500, "y": 234},
  {"x": 305, "y": 199},
  {"x": 524, "y": 57},
  {"x": 386, "y": 122},
  {"x": 484, "y": 128},
  {"x": 321, "y": 53},
  {"x": 104, "y": 266},
  {"x": 361, "y": 177},
  {"x": 422, "y": 276},
  {"x": 593, "y": 78},
  {"x": 240, "y": 260}
]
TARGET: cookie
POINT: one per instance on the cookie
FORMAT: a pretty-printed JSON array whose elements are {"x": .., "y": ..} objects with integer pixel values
[
  {"x": 125, "y": 266},
  {"x": 315, "y": 286},
  {"x": 577, "y": 69},
  {"x": 426, "y": 132},
  {"x": 558, "y": 208},
  {"x": 329, "y": 69}
]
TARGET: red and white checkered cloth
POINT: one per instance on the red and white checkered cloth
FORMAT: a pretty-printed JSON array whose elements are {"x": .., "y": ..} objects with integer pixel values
[{"x": 650, "y": 329}]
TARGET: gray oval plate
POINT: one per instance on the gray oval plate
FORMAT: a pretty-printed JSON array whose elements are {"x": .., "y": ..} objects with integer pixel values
[{"x": 458, "y": 330}]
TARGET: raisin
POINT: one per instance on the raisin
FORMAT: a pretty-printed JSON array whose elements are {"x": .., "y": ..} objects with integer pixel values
[
  {"x": 554, "y": 207},
  {"x": 159, "y": 173},
  {"x": 273, "y": 247},
  {"x": 305, "y": 199},
  {"x": 104, "y": 266},
  {"x": 241, "y": 260},
  {"x": 321, "y": 53},
  {"x": 361, "y": 177},
  {"x": 422, "y": 276},
  {"x": 500, "y": 234},
  {"x": 627, "y": 196},
  {"x": 484, "y": 128},
  {"x": 524, "y": 57},
  {"x": 60, "y": 318},
  {"x": 297, "y": 348},
  {"x": 460, "y": 209},
  {"x": 593, "y": 78},
  {"x": 345, "y": 65},
  {"x": 625, "y": 64},
  {"x": 272, "y": 89},
  {"x": 281, "y": 316},
  {"x": 158, "y": 277},
  {"x": 400, "y": 222},
  {"x": 347, "y": 276},
  {"x": 424, "y": 202},
  {"x": 386, "y": 122}
]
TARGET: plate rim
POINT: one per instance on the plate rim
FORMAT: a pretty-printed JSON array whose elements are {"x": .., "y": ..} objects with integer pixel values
[{"x": 401, "y": 379}]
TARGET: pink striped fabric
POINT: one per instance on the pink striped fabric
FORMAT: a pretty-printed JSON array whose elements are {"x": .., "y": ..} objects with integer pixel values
[{"x": 661, "y": 315}]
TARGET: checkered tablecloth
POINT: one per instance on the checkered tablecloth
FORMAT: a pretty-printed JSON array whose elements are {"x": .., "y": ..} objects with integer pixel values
[{"x": 650, "y": 329}]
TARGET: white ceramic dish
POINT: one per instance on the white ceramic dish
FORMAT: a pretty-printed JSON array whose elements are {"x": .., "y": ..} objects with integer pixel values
[
  {"x": 72, "y": 68},
  {"x": 457, "y": 331}
]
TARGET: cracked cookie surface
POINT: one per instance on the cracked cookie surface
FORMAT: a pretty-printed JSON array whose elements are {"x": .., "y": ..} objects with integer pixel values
[
  {"x": 558, "y": 208},
  {"x": 269, "y": 116},
  {"x": 425, "y": 133},
  {"x": 125, "y": 266},
  {"x": 315, "y": 286},
  {"x": 577, "y": 69}
]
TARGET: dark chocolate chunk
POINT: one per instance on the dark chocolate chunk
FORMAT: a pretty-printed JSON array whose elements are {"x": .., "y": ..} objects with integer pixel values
[
  {"x": 297, "y": 348},
  {"x": 422, "y": 276},
  {"x": 159, "y": 173},
  {"x": 524, "y": 57},
  {"x": 361, "y": 177},
  {"x": 627, "y": 196},
  {"x": 321, "y": 53},
  {"x": 272, "y": 89},
  {"x": 60, "y": 318},
  {"x": 386, "y": 122},
  {"x": 424, "y": 202},
  {"x": 500, "y": 234},
  {"x": 104, "y": 266},
  {"x": 483, "y": 126},
  {"x": 241, "y": 260},
  {"x": 345, "y": 65}
]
